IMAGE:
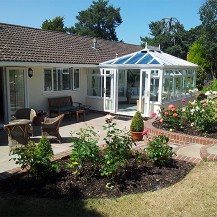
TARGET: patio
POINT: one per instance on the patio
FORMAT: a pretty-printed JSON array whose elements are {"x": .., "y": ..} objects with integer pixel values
[{"x": 92, "y": 119}]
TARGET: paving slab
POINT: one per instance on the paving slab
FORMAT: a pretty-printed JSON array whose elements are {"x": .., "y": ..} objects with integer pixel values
[
  {"x": 190, "y": 151},
  {"x": 212, "y": 150}
]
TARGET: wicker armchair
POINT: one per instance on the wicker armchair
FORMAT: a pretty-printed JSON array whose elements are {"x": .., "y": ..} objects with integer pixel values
[
  {"x": 26, "y": 113},
  {"x": 50, "y": 127},
  {"x": 17, "y": 135}
]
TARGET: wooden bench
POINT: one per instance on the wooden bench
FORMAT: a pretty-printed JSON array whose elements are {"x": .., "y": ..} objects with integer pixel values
[{"x": 62, "y": 105}]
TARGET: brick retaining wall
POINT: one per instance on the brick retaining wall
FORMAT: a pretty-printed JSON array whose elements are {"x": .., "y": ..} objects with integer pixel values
[{"x": 177, "y": 138}]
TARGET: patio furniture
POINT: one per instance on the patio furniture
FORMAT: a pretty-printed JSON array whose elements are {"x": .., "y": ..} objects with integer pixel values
[
  {"x": 62, "y": 105},
  {"x": 50, "y": 127},
  {"x": 28, "y": 114},
  {"x": 18, "y": 133},
  {"x": 78, "y": 113}
]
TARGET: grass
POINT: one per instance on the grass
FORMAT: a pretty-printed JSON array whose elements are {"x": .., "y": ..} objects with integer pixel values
[{"x": 196, "y": 195}]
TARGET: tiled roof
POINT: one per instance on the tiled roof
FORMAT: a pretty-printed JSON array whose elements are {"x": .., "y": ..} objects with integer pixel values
[{"x": 25, "y": 44}]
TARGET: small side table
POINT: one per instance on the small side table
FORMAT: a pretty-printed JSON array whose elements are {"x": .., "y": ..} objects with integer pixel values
[{"x": 78, "y": 113}]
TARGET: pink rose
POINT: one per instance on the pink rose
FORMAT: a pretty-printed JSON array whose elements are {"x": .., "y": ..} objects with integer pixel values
[
  {"x": 175, "y": 115},
  {"x": 166, "y": 113},
  {"x": 161, "y": 120},
  {"x": 204, "y": 104},
  {"x": 145, "y": 132},
  {"x": 183, "y": 100},
  {"x": 171, "y": 106},
  {"x": 153, "y": 114},
  {"x": 108, "y": 118}
]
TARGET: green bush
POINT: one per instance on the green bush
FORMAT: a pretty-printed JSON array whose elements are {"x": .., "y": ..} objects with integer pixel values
[
  {"x": 36, "y": 158},
  {"x": 117, "y": 149},
  {"x": 171, "y": 117},
  {"x": 85, "y": 149},
  {"x": 211, "y": 87},
  {"x": 159, "y": 151},
  {"x": 201, "y": 115},
  {"x": 137, "y": 123}
]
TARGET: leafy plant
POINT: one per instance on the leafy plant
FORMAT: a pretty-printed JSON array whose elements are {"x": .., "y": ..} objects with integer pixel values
[
  {"x": 117, "y": 149},
  {"x": 85, "y": 149},
  {"x": 137, "y": 123},
  {"x": 171, "y": 118},
  {"x": 159, "y": 151},
  {"x": 201, "y": 115},
  {"x": 36, "y": 158}
]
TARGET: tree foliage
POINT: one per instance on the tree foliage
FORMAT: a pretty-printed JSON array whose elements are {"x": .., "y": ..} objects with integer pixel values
[
  {"x": 56, "y": 24},
  {"x": 197, "y": 55},
  {"x": 170, "y": 42},
  {"x": 99, "y": 20},
  {"x": 208, "y": 16}
]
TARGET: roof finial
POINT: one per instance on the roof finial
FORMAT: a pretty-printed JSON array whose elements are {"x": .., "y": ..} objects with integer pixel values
[
  {"x": 159, "y": 46},
  {"x": 146, "y": 45}
]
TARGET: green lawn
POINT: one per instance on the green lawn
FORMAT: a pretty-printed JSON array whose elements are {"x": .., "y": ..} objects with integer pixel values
[{"x": 196, "y": 195}]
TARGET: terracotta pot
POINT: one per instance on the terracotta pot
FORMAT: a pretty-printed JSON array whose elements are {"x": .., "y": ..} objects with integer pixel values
[{"x": 136, "y": 136}]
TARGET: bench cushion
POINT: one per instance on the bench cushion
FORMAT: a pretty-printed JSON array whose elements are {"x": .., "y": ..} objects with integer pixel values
[{"x": 64, "y": 108}]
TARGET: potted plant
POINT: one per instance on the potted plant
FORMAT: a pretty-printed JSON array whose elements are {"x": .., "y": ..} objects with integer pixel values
[{"x": 137, "y": 127}]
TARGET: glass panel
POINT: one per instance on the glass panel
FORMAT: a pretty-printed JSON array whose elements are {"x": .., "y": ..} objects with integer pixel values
[
  {"x": 76, "y": 79},
  {"x": 109, "y": 98},
  {"x": 154, "y": 72},
  {"x": 154, "y": 62},
  {"x": 47, "y": 79},
  {"x": 121, "y": 83},
  {"x": 59, "y": 79},
  {"x": 66, "y": 79},
  {"x": 94, "y": 86},
  {"x": 178, "y": 87},
  {"x": 166, "y": 89},
  {"x": 17, "y": 90},
  {"x": 122, "y": 60},
  {"x": 134, "y": 59},
  {"x": 154, "y": 89},
  {"x": 145, "y": 59}
]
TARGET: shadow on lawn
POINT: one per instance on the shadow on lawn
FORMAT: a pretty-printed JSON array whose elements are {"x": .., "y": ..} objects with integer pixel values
[{"x": 27, "y": 206}]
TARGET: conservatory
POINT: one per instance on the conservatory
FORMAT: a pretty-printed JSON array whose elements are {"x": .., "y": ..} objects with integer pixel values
[{"x": 144, "y": 81}]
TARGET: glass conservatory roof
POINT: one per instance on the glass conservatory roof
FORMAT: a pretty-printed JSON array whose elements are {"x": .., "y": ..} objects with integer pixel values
[{"x": 149, "y": 56}]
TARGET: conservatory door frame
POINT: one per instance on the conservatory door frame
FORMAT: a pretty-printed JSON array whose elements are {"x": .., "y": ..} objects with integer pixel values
[
  {"x": 109, "y": 89},
  {"x": 144, "y": 94}
]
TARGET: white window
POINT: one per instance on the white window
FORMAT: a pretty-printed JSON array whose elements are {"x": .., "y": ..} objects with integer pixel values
[
  {"x": 59, "y": 79},
  {"x": 76, "y": 79},
  {"x": 95, "y": 83}
]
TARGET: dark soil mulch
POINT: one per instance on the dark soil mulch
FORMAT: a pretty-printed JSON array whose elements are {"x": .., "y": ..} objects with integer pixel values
[
  {"x": 187, "y": 129},
  {"x": 135, "y": 178}
]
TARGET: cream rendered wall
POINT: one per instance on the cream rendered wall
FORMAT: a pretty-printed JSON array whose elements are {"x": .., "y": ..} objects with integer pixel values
[{"x": 38, "y": 97}]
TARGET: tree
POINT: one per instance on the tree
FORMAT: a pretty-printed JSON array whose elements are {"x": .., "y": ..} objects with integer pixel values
[
  {"x": 99, "y": 20},
  {"x": 208, "y": 16},
  {"x": 170, "y": 41},
  {"x": 197, "y": 55},
  {"x": 56, "y": 24}
]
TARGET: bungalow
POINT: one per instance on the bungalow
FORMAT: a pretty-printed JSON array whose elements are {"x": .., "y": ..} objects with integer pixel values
[{"x": 109, "y": 76}]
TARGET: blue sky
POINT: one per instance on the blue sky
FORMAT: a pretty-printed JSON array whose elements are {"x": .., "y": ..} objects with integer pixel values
[{"x": 136, "y": 14}]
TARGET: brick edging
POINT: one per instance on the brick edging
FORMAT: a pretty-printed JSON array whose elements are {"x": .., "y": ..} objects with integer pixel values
[
  {"x": 207, "y": 156},
  {"x": 177, "y": 138}
]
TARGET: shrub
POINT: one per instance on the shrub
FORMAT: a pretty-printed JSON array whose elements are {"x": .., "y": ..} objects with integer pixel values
[
  {"x": 85, "y": 149},
  {"x": 201, "y": 115},
  {"x": 159, "y": 151},
  {"x": 137, "y": 123},
  {"x": 171, "y": 118},
  {"x": 36, "y": 158},
  {"x": 117, "y": 149}
]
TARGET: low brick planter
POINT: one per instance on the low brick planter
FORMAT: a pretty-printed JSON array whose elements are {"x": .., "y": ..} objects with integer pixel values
[{"x": 178, "y": 138}]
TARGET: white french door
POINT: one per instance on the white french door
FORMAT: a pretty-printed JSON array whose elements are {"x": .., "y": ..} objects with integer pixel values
[
  {"x": 16, "y": 90},
  {"x": 109, "y": 89},
  {"x": 145, "y": 83}
]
